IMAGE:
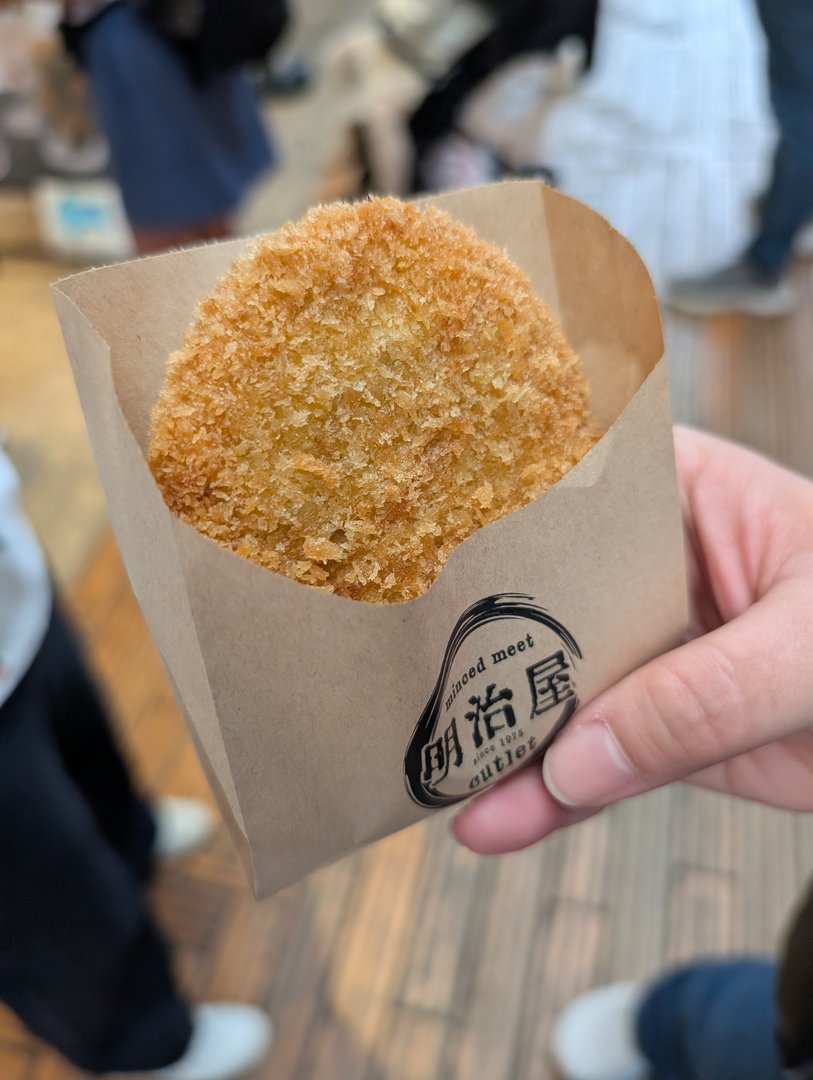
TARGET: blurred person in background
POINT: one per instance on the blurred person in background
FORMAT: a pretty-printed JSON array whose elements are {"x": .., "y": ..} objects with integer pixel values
[
  {"x": 442, "y": 94},
  {"x": 522, "y": 28},
  {"x": 82, "y": 963},
  {"x": 732, "y": 711},
  {"x": 186, "y": 136},
  {"x": 756, "y": 283}
]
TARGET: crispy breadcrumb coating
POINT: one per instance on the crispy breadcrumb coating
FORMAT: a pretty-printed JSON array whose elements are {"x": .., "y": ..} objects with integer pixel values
[{"x": 361, "y": 391}]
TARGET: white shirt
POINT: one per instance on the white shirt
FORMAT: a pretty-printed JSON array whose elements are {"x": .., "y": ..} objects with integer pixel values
[{"x": 25, "y": 588}]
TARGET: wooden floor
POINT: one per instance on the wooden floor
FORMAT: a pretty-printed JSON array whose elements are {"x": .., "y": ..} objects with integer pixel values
[{"x": 415, "y": 960}]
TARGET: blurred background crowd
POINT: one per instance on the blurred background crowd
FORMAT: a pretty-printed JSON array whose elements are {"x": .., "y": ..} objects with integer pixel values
[{"x": 689, "y": 125}]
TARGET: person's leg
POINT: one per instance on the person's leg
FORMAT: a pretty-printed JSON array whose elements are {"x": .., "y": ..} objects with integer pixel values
[
  {"x": 183, "y": 151},
  {"x": 714, "y": 1019},
  {"x": 137, "y": 832},
  {"x": 88, "y": 748},
  {"x": 788, "y": 203},
  {"x": 80, "y": 960},
  {"x": 755, "y": 284}
]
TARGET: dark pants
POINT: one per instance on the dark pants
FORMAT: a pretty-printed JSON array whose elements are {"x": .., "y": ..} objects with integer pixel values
[
  {"x": 713, "y": 1021},
  {"x": 81, "y": 962},
  {"x": 788, "y": 203}
]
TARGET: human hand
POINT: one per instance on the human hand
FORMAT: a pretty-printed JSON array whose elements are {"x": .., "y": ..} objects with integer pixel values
[{"x": 730, "y": 710}]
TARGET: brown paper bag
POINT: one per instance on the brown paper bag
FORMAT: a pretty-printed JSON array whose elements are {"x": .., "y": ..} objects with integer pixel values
[{"x": 325, "y": 723}]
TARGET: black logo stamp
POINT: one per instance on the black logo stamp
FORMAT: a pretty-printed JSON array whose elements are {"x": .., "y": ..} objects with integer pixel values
[{"x": 492, "y": 709}]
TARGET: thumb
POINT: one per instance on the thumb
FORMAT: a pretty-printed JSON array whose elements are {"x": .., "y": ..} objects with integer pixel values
[{"x": 741, "y": 686}]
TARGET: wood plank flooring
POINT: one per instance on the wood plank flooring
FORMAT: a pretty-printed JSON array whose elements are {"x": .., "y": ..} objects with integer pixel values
[{"x": 414, "y": 960}]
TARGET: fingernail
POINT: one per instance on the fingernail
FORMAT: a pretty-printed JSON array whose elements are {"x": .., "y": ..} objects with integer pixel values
[{"x": 586, "y": 767}]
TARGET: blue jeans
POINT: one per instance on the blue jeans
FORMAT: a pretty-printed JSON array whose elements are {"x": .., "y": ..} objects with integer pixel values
[
  {"x": 183, "y": 153},
  {"x": 713, "y": 1021},
  {"x": 788, "y": 204}
]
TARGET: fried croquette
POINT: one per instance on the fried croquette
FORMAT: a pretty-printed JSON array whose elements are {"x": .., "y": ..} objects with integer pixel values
[{"x": 363, "y": 390}]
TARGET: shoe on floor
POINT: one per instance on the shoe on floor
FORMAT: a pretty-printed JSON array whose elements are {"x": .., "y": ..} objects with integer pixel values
[
  {"x": 227, "y": 1042},
  {"x": 181, "y": 826},
  {"x": 738, "y": 288},
  {"x": 594, "y": 1038}
]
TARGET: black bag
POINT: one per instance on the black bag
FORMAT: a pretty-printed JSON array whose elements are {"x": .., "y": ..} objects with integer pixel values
[{"x": 216, "y": 35}]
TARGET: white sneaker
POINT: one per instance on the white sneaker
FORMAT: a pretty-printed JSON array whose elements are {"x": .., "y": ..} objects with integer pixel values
[
  {"x": 737, "y": 288},
  {"x": 227, "y": 1041},
  {"x": 181, "y": 826},
  {"x": 594, "y": 1038}
]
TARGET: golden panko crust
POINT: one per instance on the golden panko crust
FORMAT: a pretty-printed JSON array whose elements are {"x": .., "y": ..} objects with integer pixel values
[{"x": 363, "y": 390}]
